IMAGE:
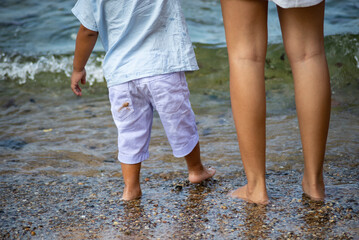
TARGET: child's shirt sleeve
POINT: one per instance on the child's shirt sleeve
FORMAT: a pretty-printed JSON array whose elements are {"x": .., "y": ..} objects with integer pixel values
[{"x": 84, "y": 12}]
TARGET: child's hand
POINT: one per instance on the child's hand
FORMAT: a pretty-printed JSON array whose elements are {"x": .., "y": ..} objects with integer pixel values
[{"x": 76, "y": 77}]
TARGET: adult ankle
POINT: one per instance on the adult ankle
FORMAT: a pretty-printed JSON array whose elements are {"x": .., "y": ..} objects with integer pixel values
[{"x": 313, "y": 179}]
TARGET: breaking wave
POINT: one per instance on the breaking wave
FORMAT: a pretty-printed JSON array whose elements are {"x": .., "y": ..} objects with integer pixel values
[{"x": 22, "y": 69}]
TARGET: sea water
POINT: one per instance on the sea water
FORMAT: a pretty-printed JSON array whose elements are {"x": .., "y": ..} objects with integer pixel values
[
  {"x": 37, "y": 41},
  {"x": 49, "y": 137}
]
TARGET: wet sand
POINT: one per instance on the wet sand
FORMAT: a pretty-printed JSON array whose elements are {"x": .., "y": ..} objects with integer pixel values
[
  {"x": 68, "y": 207},
  {"x": 82, "y": 200}
]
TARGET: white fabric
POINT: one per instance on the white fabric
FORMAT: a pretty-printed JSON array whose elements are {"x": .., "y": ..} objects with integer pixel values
[
  {"x": 132, "y": 105},
  {"x": 141, "y": 38},
  {"x": 296, "y": 3}
]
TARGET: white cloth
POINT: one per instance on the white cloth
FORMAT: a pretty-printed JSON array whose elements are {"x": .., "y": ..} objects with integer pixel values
[
  {"x": 296, "y": 3},
  {"x": 142, "y": 38},
  {"x": 132, "y": 105}
]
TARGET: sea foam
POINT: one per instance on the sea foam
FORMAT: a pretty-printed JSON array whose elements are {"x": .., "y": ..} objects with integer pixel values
[{"x": 22, "y": 69}]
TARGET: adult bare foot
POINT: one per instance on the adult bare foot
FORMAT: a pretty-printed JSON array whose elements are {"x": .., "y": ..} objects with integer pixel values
[
  {"x": 254, "y": 197},
  {"x": 316, "y": 191},
  {"x": 199, "y": 176},
  {"x": 131, "y": 194}
]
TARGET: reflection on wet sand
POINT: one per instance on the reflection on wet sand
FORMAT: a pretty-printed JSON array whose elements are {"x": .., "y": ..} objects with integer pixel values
[
  {"x": 133, "y": 221},
  {"x": 255, "y": 219},
  {"x": 191, "y": 220},
  {"x": 316, "y": 217}
]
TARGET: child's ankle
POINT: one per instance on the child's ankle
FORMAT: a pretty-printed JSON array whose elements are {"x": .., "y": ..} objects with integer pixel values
[
  {"x": 200, "y": 175},
  {"x": 199, "y": 168}
]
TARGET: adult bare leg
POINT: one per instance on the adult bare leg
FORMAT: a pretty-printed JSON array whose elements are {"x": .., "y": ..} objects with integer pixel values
[
  {"x": 245, "y": 24},
  {"x": 302, "y": 30}
]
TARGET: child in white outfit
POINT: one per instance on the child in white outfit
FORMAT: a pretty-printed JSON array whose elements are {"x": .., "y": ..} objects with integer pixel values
[{"x": 147, "y": 52}]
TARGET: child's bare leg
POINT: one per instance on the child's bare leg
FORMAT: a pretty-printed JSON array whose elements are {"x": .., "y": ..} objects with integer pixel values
[
  {"x": 304, "y": 42},
  {"x": 131, "y": 176},
  {"x": 196, "y": 171},
  {"x": 246, "y": 34}
]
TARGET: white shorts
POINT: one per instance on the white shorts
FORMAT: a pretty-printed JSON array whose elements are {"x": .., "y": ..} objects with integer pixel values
[
  {"x": 296, "y": 3},
  {"x": 132, "y": 105}
]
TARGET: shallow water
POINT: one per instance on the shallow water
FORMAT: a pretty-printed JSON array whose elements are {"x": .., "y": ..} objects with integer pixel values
[
  {"x": 59, "y": 177},
  {"x": 31, "y": 27}
]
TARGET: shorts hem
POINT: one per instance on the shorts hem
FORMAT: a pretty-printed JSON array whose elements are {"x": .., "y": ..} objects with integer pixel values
[
  {"x": 187, "y": 149},
  {"x": 138, "y": 158},
  {"x": 295, "y": 4}
]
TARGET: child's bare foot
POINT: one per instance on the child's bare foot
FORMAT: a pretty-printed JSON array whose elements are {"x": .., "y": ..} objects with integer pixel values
[
  {"x": 199, "y": 176},
  {"x": 131, "y": 194},
  {"x": 254, "y": 197},
  {"x": 315, "y": 192}
]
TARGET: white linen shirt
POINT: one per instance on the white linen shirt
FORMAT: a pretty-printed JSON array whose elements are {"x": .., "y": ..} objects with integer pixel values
[{"x": 142, "y": 38}]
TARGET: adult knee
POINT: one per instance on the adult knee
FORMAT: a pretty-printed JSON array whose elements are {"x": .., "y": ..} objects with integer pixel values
[
  {"x": 298, "y": 53},
  {"x": 248, "y": 55}
]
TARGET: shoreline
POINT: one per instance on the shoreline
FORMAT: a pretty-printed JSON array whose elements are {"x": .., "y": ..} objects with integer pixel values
[{"x": 79, "y": 207}]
